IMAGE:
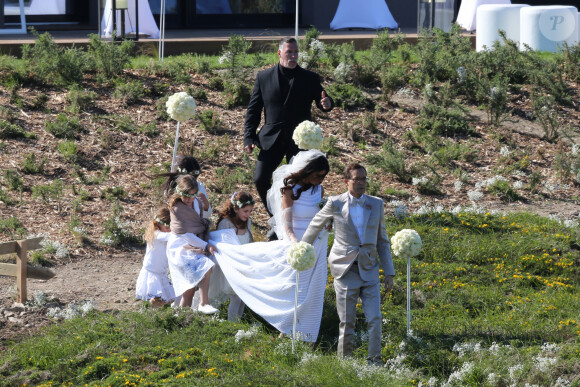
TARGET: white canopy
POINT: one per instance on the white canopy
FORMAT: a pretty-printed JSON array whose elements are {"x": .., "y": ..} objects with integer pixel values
[{"x": 373, "y": 14}]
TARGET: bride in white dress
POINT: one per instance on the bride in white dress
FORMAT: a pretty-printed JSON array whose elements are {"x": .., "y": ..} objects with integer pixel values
[{"x": 258, "y": 272}]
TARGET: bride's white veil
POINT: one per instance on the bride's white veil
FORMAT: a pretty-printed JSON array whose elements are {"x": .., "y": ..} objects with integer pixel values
[{"x": 274, "y": 196}]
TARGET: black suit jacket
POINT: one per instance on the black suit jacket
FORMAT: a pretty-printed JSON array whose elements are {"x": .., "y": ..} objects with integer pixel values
[{"x": 280, "y": 116}]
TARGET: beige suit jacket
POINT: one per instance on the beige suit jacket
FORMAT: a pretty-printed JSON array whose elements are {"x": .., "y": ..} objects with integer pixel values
[{"x": 347, "y": 246}]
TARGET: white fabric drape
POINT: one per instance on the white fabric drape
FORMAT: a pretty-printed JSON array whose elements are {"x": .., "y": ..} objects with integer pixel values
[
  {"x": 147, "y": 25},
  {"x": 372, "y": 14},
  {"x": 467, "y": 15}
]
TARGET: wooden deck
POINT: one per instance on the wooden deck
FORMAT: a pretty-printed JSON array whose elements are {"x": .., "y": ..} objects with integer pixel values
[{"x": 206, "y": 41}]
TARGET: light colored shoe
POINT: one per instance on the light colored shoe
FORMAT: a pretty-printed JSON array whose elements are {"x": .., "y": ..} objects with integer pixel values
[{"x": 207, "y": 309}]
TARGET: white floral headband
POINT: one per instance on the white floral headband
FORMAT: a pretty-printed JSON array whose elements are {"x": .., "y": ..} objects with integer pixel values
[
  {"x": 238, "y": 203},
  {"x": 156, "y": 218},
  {"x": 184, "y": 171},
  {"x": 185, "y": 194}
]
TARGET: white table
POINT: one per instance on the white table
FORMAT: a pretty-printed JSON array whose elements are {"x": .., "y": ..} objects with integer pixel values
[
  {"x": 147, "y": 25},
  {"x": 373, "y": 14},
  {"x": 468, "y": 11}
]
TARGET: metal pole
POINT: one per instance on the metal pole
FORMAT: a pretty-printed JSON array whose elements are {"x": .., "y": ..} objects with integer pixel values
[
  {"x": 295, "y": 310},
  {"x": 296, "y": 23},
  {"x": 173, "y": 163},
  {"x": 162, "y": 31},
  {"x": 408, "y": 296}
]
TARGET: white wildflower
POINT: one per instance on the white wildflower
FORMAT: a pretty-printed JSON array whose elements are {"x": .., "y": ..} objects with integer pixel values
[
  {"x": 308, "y": 357},
  {"x": 495, "y": 348},
  {"x": 475, "y": 195},
  {"x": 244, "y": 335},
  {"x": 543, "y": 364},
  {"x": 401, "y": 212},
  {"x": 515, "y": 371},
  {"x": 494, "y": 92},
  {"x": 397, "y": 365},
  {"x": 458, "y": 376},
  {"x": 464, "y": 348},
  {"x": 461, "y": 74},
  {"x": 457, "y": 185},
  {"x": 416, "y": 199},
  {"x": 575, "y": 150},
  {"x": 316, "y": 45},
  {"x": 493, "y": 378},
  {"x": 561, "y": 382},
  {"x": 342, "y": 72},
  {"x": 428, "y": 91},
  {"x": 406, "y": 92},
  {"x": 518, "y": 185},
  {"x": 422, "y": 180},
  {"x": 505, "y": 151}
]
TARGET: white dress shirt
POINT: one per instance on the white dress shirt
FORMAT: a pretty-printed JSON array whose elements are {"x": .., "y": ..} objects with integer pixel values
[{"x": 356, "y": 210}]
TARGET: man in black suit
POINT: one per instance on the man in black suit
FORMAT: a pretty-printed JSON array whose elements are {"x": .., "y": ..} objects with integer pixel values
[{"x": 285, "y": 93}]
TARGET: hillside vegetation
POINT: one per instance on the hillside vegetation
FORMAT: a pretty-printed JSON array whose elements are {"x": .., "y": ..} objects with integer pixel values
[{"x": 454, "y": 140}]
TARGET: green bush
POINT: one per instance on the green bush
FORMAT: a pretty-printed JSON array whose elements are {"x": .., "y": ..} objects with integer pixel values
[
  {"x": 10, "y": 130},
  {"x": 64, "y": 127},
  {"x": 79, "y": 99},
  {"x": 393, "y": 161},
  {"x": 13, "y": 181},
  {"x": 31, "y": 166},
  {"x": 392, "y": 78},
  {"x": 53, "y": 64},
  {"x": 504, "y": 191},
  {"x": 109, "y": 58},
  {"x": 348, "y": 96},
  {"x": 237, "y": 94},
  {"x": 210, "y": 121},
  {"x": 129, "y": 93},
  {"x": 69, "y": 151},
  {"x": 12, "y": 227},
  {"x": 49, "y": 192}
]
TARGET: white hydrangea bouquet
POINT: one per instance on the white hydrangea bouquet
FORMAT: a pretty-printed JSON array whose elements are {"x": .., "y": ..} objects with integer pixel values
[
  {"x": 301, "y": 256},
  {"x": 180, "y": 107},
  {"x": 406, "y": 243},
  {"x": 308, "y": 135}
]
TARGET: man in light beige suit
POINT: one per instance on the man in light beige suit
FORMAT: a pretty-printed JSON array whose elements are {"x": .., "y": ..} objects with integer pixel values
[{"x": 360, "y": 243}]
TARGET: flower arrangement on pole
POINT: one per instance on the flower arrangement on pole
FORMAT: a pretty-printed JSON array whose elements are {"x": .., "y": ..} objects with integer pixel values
[
  {"x": 308, "y": 135},
  {"x": 180, "y": 107},
  {"x": 406, "y": 244},
  {"x": 301, "y": 256}
]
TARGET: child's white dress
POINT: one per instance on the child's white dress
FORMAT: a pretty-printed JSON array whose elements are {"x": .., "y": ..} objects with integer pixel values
[
  {"x": 153, "y": 280},
  {"x": 187, "y": 264}
]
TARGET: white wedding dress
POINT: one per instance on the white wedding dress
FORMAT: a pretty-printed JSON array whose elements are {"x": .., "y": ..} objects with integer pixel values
[{"x": 261, "y": 277}]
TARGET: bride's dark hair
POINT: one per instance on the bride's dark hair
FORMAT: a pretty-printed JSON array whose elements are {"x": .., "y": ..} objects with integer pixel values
[{"x": 318, "y": 164}]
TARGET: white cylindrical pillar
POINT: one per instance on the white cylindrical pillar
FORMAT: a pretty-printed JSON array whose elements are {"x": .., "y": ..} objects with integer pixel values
[
  {"x": 544, "y": 28},
  {"x": 494, "y": 17}
]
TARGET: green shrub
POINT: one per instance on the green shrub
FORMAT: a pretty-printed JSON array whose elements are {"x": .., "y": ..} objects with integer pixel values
[
  {"x": 233, "y": 56},
  {"x": 64, "y": 127},
  {"x": 79, "y": 99},
  {"x": 393, "y": 161},
  {"x": 197, "y": 93},
  {"x": 348, "y": 96},
  {"x": 161, "y": 108},
  {"x": 13, "y": 228},
  {"x": 202, "y": 64},
  {"x": 228, "y": 180},
  {"x": 329, "y": 146},
  {"x": 114, "y": 193},
  {"x": 210, "y": 121},
  {"x": 10, "y": 130},
  {"x": 237, "y": 94},
  {"x": 69, "y": 151},
  {"x": 39, "y": 102},
  {"x": 31, "y": 166},
  {"x": 13, "y": 181},
  {"x": 49, "y": 192},
  {"x": 392, "y": 78},
  {"x": 443, "y": 121},
  {"x": 129, "y": 93},
  {"x": 109, "y": 58},
  {"x": 149, "y": 129},
  {"x": 504, "y": 191},
  {"x": 117, "y": 232},
  {"x": 54, "y": 64}
]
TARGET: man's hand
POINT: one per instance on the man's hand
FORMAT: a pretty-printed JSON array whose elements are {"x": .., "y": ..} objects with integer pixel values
[
  {"x": 249, "y": 148},
  {"x": 325, "y": 101}
]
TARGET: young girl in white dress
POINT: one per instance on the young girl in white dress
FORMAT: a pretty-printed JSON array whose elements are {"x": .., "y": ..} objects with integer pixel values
[
  {"x": 187, "y": 248},
  {"x": 188, "y": 165},
  {"x": 153, "y": 284},
  {"x": 235, "y": 214}
]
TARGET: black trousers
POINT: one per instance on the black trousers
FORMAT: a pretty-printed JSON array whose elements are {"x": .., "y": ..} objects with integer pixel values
[{"x": 268, "y": 161}]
